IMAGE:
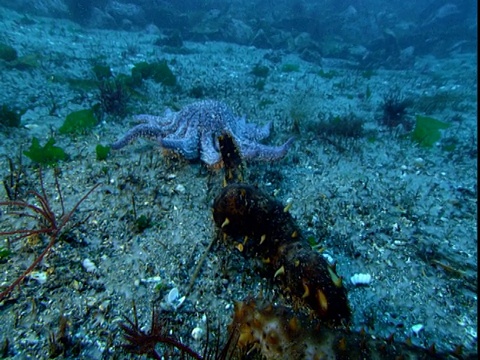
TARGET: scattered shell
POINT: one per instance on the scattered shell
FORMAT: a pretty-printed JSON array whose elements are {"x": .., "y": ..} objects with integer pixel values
[
  {"x": 416, "y": 328},
  {"x": 419, "y": 162},
  {"x": 40, "y": 276},
  {"x": 173, "y": 298},
  {"x": 329, "y": 258},
  {"x": 172, "y": 295},
  {"x": 197, "y": 333},
  {"x": 153, "y": 279},
  {"x": 288, "y": 204},
  {"x": 104, "y": 306},
  {"x": 180, "y": 189},
  {"x": 361, "y": 279},
  {"x": 88, "y": 265}
]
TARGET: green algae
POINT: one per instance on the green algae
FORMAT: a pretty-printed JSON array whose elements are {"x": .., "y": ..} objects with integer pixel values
[
  {"x": 158, "y": 71},
  {"x": 79, "y": 122},
  {"x": 9, "y": 117},
  {"x": 48, "y": 154},
  {"x": 290, "y": 68},
  {"x": 7, "y": 53},
  {"x": 427, "y": 131},
  {"x": 102, "y": 152}
]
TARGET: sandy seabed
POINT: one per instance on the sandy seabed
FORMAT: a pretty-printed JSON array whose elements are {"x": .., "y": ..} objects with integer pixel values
[{"x": 379, "y": 204}]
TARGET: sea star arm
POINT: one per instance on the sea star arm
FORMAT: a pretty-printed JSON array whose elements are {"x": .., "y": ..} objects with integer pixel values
[
  {"x": 209, "y": 153},
  {"x": 146, "y": 118},
  {"x": 257, "y": 133},
  {"x": 146, "y": 130},
  {"x": 261, "y": 152},
  {"x": 248, "y": 131},
  {"x": 187, "y": 147}
]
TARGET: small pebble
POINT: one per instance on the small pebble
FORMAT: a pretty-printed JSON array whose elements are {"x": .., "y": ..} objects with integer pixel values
[{"x": 76, "y": 285}]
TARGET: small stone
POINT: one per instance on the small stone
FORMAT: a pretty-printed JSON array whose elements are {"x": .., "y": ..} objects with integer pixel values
[
  {"x": 104, "y": 305},
  {"x": 75, "y": 284}
]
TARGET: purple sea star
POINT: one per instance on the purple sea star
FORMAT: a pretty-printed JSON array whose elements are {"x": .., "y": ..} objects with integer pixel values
[{"x": 193, "y": 132}]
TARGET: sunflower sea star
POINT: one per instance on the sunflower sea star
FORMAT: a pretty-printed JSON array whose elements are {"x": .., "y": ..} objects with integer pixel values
[{"x": 193, "y": 133}]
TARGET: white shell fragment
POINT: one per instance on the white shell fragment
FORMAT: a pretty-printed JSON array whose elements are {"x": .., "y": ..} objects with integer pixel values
[
  {"x": 288, "y": 205},
  {"x": 40, "y": 276},
  {"x": 361, "y": 279},
  {"x": 173, "y": 298},
  {"x": 417, "y": 328},
  {"x": 153, "y": 279},
  {"x": 329, "y": 258},
  {"x": 180, "y": 189},
  {"x": 419, "y": 162},
  {"x": 88, "y": 265},
  {"x": 172, "y": 295},
  {"x": 197, "y": 333}
]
